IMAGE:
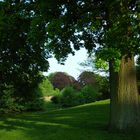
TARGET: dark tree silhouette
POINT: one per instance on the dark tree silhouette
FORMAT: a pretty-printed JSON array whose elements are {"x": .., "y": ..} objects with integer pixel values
[{"x": 60, "y": 80}]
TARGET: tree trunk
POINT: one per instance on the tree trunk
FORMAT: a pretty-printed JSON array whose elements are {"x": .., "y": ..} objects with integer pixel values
[{"x": 124, "y": 96}]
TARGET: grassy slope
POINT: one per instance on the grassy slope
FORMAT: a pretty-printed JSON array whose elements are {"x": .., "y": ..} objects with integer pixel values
[{"x": 86, "y": 122}]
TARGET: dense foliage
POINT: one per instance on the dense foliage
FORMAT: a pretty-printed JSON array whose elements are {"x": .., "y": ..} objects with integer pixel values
[
  {"x": 114, "y": 26},
  {"x": 21, "y": 57},
  {"x": 60, "y": 80},
  {"x": 29, "y": 30},
  {"x": 98, "y": 82},
  {"x": 46, "y": 88},
  {"x": 69, "y": 22},
  {"x": 87, "y": 78},
  {"x": 69, "y": 96},
  {"x": 11, "y": 102},
  {"x": 90, "y": 94}
]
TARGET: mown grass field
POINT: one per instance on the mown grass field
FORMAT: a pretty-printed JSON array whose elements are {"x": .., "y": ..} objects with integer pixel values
[{"x": 85, "y": 122}]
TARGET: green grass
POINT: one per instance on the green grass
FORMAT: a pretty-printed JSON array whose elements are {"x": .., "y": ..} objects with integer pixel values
[
  {"x": 85, "y": 122},
  {"x": 49, "y": 106}
]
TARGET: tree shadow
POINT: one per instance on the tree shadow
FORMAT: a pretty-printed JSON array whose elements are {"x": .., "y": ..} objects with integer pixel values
[{"x": 78, "y": 123}]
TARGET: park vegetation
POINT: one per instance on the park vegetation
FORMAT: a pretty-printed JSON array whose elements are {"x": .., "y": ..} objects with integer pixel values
[
  {"x": 32, "y": 31},
  {"x": 88, "y": 88}
]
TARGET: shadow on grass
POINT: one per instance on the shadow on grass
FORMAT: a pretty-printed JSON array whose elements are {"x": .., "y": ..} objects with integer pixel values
[{"x": 87, "y": 122}]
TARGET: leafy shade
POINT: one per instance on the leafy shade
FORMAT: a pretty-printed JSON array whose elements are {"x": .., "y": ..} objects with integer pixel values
[
  {"x": 22, "y": 56},
  {"x": 88, "y": 23},
  {"x": 21, "y": 59}
]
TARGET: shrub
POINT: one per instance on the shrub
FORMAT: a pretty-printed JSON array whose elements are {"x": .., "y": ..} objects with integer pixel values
[
  {"x": 34, "y": 102},
  {"x": 100, "y": 83},
  {"x": 56, "y": 99},
  {"x": 70, "y": 97},
  {"x": 34, "y": 105},
  {"x": 47, "y": 89},
  {"x": 90, "y": 94},
  {"x": 103, "y": 87},
  {"x": 8, "y": 102}
]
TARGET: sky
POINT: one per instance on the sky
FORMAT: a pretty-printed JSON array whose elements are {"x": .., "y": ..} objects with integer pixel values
[{"x": 71, "y": 66}]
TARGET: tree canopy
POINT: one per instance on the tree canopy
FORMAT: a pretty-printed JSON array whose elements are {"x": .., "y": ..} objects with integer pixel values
[
  {"x": 20, "y": 58},
  {"x": 22, "y": 55},
  {"x": 60, "y": 80},
  {"x": 32, "y": 30},
  {"x": 111, "y": 30},
  {"x": 113, "y": 25}
]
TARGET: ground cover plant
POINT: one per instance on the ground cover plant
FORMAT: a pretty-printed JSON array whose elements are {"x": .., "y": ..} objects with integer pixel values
[{"x": 86, "y": 122}]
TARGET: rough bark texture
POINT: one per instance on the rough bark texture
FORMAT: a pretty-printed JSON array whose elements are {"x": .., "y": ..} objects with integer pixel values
[{"x": 124, "y": 96}]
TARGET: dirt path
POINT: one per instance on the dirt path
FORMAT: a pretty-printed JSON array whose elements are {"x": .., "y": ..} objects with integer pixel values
[{"x": 47, "y": 98}]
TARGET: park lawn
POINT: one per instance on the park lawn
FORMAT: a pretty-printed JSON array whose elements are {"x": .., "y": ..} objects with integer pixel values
[{"x": 85, "y": 122}]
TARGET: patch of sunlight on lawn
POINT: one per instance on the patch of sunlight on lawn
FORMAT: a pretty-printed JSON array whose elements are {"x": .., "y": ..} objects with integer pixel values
[
  {"x": 53, "y": 124},
  {"x": 85, "y": 122}
]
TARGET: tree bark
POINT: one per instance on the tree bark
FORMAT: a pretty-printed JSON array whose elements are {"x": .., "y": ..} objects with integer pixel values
[{"x": 124, "y": 96}]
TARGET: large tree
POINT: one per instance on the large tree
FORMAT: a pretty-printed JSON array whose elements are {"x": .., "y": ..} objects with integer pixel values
[
  {"x": 111, "y": 29},
  {"x": 22, "y": 51}
]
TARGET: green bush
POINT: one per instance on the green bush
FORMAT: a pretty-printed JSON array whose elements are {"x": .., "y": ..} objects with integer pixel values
[
  {"x": 89, "y": 93},
  {"x": 47, "y": 89},
  {"x": 103, "y": 87},
  {"x": 34, "y": 105},
  {"x": 8, "y": 102},
  {"x": 34, "y": 102},
  {"x": 70, "y": 97},
  {"x": 56, "y": 99},
  {"x": 100, "y": 83}
]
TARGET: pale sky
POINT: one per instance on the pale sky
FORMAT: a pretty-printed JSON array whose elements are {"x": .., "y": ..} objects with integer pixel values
[{"x": 71, "y": 66}]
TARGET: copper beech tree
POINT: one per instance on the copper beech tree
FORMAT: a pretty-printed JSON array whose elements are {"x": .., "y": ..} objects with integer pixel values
[{"x": 60, "y": 80}]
